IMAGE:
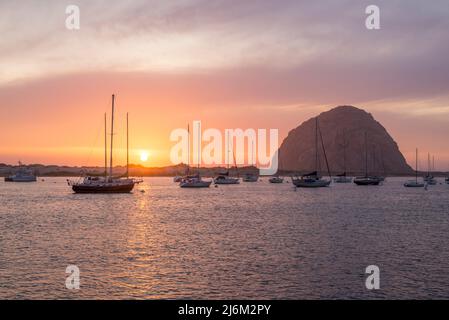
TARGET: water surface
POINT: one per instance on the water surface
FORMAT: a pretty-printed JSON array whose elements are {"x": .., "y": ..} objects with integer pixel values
[{"x": 253, "y": 240}]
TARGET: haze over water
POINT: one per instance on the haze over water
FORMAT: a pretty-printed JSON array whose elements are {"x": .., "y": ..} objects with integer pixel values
[{"x": 253, "y": 240}]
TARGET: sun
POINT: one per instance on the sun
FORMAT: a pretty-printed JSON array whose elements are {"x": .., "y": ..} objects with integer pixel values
[{"x": 144, "y": 156}]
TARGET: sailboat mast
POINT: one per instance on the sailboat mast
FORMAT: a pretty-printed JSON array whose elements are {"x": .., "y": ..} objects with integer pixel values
[
  {"x": 316, "y": 143},
  {"x": 227, "y": 155},
  {"x": 105, "y": 149},
  {"x": 416, "y": 166},
  {"x": 344, "y": 151},
  {"x": 366, "y": 155},
  {"x": 127, "y": 146},
  {"x": 112, "y": 137},
  {"x": 199, "y": 146},
  {"x": 188, "y": 148}
]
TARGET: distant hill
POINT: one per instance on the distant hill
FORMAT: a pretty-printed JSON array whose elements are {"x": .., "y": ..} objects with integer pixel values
[{"x": 344, "y": 125}]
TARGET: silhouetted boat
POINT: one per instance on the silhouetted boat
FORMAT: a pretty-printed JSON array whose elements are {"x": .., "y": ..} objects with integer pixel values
[
  {"x": 313, "y": 180},
  {"x": 367, "y": 180},
  {"x": 223, "y": 177},
  {"x": 342, "y": 178},
  {"x": 108, "y": 183},
  {"x": 415, "y": 183},
  {"x": 429, "y": 178},
  {"x": 276, "y": 179},
  {"x": 250, "y": 177}
]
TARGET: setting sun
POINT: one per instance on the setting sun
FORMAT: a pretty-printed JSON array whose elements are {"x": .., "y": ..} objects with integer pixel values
[{"x": 144, "y": 156}]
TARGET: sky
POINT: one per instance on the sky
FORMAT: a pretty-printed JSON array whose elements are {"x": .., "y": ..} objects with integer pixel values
[{"x": 231, "y": 64}]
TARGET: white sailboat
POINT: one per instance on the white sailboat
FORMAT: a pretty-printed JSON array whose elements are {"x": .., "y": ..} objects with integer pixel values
[
  {"x": 367, "y": 180},
  {"x": 223, "y": 177},
  {"x": 429, "y": 178},
  {"x": 194, "y": 181},
  {"x": 22, "y": 175},
  {"x": 415, "y": 183},
  {"x": 313, "y": 179}
]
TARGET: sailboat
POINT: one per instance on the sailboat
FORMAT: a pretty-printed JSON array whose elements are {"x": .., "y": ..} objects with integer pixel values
[
  {"x": 342, "y": 178},
  {"x": 313, "y": 180},
  {"x": 194, "y": 181},
  {"x": 367, "y": 180},
  {"x": 415, "y": 183},
  {"x": 22, "y": 175},
  {"x": 429, "y": 177},
  {"x": 223, "y": 177},
  {"x": 108, "y": 183},
  {"x": 251, "y": 177},
  {"x": 277, "y": 178}
]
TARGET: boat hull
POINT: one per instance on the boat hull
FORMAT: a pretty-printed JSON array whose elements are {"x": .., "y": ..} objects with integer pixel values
[
  {"x": 367, "y": 181},
  {"x": 227, "y": 181},
  {"x": 252, "y": 179},
  {"x": 413, "y": 185},
  {"x": 311, "y": 184},
  {"x": 199, "y": 184},
  {"x": 123, "y": 188}
]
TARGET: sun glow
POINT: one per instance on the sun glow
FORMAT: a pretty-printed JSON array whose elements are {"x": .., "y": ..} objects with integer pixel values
[{"x": 144, "y": 156}]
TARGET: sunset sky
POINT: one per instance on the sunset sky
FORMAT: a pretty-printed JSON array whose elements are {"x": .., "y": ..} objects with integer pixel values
[{"x": 230, "y": 64}]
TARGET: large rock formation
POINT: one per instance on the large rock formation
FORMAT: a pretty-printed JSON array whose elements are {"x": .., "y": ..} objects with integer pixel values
[{"x": 344, "y": 125}]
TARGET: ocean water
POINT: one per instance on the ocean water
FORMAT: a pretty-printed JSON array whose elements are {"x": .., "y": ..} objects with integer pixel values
[{"x": 253, "y": 240}]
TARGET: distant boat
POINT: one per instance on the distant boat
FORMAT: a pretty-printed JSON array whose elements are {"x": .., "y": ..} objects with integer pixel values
[
  {"x": 276, "y": 180},
  {"x": 177, "y": 179},
  {"x": 415, "y": 183},
  {"x": 342, "y": 178},
  {"x": 23, "y": 175},
  {"x": 313, "y": 180},
  {"x": 194, "y": 181},
  {"x": 108, "y": 183},
  {"x": 367, "y": 180},
  {"x": 251, "y": 177},
  {"x": 429, "y": 178},
  {"x": 223, "y": 177},
  {"x": 447, "y": 180}
]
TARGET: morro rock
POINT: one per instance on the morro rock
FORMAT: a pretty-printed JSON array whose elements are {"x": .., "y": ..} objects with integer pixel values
[{"x": 343, "y": 131}]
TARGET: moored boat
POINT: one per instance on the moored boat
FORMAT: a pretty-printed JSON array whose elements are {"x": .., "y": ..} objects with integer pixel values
[
  {"x": 108, "y": 183},
  {"x": 22, "y": 175},
  {"x": 367, "y": 180},
  {"x": 313, "y": 179},
  {"x": 276, "y": 179},
  {"x": 415, "y": 183}
]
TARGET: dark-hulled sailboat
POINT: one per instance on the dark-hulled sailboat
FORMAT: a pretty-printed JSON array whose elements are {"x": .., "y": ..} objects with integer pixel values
[
  {"x": 107, "y": 183},
  {"x": 313, "y": 179}
]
